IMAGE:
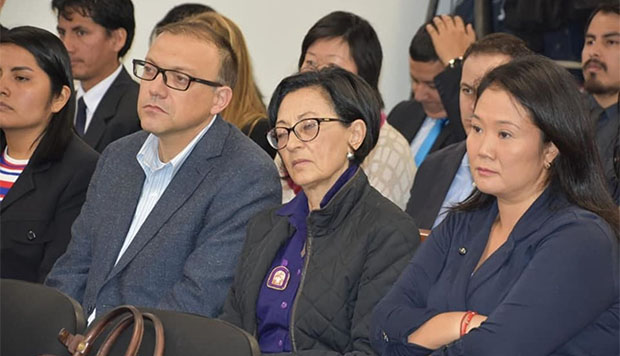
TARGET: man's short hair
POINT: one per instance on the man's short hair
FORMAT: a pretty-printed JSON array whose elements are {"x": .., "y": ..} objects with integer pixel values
[
  {"x": 609, "y": 7},
  {"x": 499, "y": 43},
  {"x": 201, "y": 30},
  {"x": 110, "y": 14},
  {"x": 421, "y": 48}
]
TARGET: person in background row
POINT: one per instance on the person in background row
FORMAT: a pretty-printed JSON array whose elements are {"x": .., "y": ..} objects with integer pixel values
[
  {"x": 97, "y": 34},
  {"x": 348, "y": 41},
  {"x": 430, "y": 120},
  {"x": 312, "y": 270},
  {"x": 246, "y": 109},
  {"x": 528, "y": 265},
  {"x": 165, "y": 215},
  {"x": 600, "y": 59},
  {"x": 178, "y": 13},
  {"x": 44, "y": 167},
  {"x": 444, "y": 178}
]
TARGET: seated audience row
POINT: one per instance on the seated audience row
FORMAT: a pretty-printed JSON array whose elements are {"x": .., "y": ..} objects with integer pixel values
[{"x": 185, "y": 215}]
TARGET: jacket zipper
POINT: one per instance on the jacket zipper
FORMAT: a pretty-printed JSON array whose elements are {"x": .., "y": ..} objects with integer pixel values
[{"x": 301, "y": 286}]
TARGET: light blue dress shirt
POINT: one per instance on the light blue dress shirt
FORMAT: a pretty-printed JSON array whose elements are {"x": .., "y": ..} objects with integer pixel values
[{"x": 461, "y": 187}]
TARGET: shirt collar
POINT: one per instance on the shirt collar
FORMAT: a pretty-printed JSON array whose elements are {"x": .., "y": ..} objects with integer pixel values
[
  {"x": 465, "y": 160},
  {"x": 93, "y": 96},
  {"x": 148, "y": 156}
]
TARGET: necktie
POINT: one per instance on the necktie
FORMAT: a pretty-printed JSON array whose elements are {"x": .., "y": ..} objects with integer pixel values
[
  {"x": 429, "y": 140},
  {"x": 80, "y": 118}
]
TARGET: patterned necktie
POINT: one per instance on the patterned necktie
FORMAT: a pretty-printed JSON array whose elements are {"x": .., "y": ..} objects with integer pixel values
[
  {"x": 80, "y": 118},
  {"x": 429, "y": 140}
]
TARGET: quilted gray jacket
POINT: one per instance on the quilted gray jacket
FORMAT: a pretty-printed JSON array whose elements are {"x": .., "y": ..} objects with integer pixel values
[{"x": 357, "y": 245}]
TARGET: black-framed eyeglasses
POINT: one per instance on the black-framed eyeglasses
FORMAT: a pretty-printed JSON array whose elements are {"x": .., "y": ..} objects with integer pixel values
[
  {"x": 305, "y": 130},
  {"x": 172, "y": 78}
]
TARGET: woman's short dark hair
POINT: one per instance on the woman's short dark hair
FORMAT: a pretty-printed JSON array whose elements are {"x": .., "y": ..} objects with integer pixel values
[
  {"x": 350, "y": 95},
  {"x": 51, "y": 55},
  {"x": 550, "y": 96},
  {"x": 110, "y": 14},
  {"x": 358, "y": 34}
]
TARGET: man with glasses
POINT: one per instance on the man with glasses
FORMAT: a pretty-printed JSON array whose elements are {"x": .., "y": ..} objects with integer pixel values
[
  {"x": 165, "y": 215},
  {"x": 97, "y": 35}
]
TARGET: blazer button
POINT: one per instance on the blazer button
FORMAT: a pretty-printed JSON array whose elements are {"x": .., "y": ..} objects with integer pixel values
[
  {"x": 31, "y": 235},
  {"x": 385, "y": 337}
]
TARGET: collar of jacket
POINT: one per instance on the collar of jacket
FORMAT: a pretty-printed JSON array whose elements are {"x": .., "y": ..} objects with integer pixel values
[
  {"x": 325, "y": 220},
  {"x": 544, "y": 207}
]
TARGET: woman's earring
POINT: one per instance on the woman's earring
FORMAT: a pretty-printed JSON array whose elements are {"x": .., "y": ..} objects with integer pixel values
[
  {"x": 547, "y": 165},
  {"x": 350, "y": 156}
]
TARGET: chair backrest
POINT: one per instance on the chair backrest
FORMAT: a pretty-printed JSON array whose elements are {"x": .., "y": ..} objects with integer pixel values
[
  {"x": 189, "y": 335},
  {"x": 31, "y": 315}
]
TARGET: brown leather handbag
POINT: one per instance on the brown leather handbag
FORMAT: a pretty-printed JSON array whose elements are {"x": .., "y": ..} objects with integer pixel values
[{"x": 81, "y": 345}]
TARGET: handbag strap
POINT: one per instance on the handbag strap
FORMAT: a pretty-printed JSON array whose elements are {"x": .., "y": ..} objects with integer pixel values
[
  {"x": 124, "y": 324},
  {"x": 80, "y": 345}
]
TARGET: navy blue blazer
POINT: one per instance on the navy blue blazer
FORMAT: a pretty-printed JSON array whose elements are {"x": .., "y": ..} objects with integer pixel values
[
  {"x": 550, "y": 289},
  {"x": 183, "y": 257}
]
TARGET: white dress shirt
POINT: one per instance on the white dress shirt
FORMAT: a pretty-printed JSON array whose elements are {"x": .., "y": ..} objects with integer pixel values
[{"x": 93, "y": 97}]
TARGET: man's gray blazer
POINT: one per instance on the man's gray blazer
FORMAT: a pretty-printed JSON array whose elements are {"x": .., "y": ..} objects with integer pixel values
[{"x": 184, "y": 256}]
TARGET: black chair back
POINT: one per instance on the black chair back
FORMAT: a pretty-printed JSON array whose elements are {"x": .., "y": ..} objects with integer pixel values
[{"x": 31, "y": 315}]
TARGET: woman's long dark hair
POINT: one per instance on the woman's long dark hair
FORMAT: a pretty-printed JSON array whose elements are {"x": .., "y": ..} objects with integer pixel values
[
  {"x": 550, "y": 96},
  {"x": 52, "y": 57}
]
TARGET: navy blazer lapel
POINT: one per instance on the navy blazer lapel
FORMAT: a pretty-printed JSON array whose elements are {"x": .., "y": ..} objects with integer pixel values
[
  {"x": 529, "y": 223},
  {"x": 193, "y": 171},
  {"x": 106, "y": 109}
]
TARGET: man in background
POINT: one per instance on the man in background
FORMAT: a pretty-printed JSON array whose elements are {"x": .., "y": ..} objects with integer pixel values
[{"x": 97, "y": 34}]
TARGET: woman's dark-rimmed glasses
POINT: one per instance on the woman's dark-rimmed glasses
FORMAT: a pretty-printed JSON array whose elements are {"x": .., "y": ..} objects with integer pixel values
[{"x": 306, "y": 130}]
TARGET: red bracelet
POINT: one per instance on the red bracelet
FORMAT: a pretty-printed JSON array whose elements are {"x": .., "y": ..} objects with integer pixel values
[{"x": 466, "y": 320}]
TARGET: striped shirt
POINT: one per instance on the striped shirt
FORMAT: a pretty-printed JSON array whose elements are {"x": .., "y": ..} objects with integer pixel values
[{"x": 10, "y": 169}]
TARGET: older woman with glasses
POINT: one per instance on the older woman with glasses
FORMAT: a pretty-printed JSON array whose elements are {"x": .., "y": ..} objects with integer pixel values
[{"x": 312, "y": 270}]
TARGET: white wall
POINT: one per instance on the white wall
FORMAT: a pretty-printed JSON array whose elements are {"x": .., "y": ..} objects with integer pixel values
[{"x": 273, "y": 29}]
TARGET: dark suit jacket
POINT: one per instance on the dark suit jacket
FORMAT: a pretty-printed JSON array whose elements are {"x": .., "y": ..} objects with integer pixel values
[
  {"x": 407, "y": 117},
  {"x": 184, "y": 256},
  {"x": 432, "y": 182},
  {"x": 117, "y": 114},
  {"x": 37, "y": 213}
]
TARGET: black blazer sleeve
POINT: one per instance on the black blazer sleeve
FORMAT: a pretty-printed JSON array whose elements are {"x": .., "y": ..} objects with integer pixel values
[{"x": 448, "y": 83}]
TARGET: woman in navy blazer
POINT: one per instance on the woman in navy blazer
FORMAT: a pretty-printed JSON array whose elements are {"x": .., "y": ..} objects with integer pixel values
[
  {"x": 528, "y": 264},
  {"x": 36, "y": 118}
]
